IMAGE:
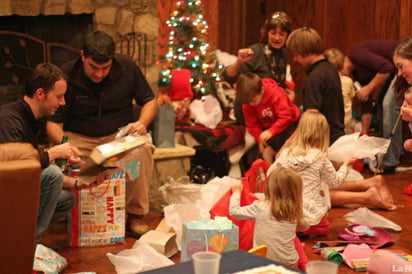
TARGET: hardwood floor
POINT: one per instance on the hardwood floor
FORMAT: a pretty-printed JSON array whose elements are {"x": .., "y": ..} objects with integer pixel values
[{"x": 95, "y": 259}]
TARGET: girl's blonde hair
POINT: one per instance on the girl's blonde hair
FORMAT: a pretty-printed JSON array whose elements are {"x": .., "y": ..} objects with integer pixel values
[
  {"x": 335, "y": 57},
  {"x": 283, "y": 190},
  {"x": 312, "y": 132}
]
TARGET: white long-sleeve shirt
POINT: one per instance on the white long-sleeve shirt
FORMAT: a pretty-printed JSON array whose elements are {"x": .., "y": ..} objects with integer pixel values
[
  {"x": 318, "y": 175},
  {"x": 277, "y": 235}
]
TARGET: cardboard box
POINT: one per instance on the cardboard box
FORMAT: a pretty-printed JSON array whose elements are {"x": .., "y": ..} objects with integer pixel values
[{"x": 107, "y": 155}]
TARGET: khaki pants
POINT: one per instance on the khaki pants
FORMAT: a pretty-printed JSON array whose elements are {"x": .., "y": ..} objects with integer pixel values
[{"x": 137, "y": 191}]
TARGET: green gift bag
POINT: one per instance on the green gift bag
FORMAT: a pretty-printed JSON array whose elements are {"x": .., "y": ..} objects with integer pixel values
[{"x": 164, "y": 127}]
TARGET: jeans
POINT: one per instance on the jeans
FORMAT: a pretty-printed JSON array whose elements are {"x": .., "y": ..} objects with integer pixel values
[
  {"x": 65, "y": 204},
  {"x": 54, "y": 202},
  {"x": 390, "y": 113}
]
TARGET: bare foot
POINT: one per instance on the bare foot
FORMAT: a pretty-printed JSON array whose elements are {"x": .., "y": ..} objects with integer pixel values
[
  {"x": 374, "y": 199},
  {"x": 376, "y": 170},
  {"x": 383, "y": 189}
]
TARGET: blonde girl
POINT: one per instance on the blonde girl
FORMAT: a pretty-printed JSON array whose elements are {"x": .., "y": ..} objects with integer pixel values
[
  {"x": 277, "y": 216},
  {"x": 307, "y": 154}
]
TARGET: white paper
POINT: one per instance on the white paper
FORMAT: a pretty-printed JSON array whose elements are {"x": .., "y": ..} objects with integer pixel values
[
  {"x": 365, "y": 216},
  {"x": 141, "y": 257},
  {"x": 358, "y": 147}
]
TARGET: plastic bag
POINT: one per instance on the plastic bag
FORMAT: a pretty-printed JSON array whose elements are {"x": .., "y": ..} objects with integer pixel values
[
  {"x": 141, "y": 257},
  {"x": 257, "y": 175},
  {"x": 206, "y": 111}
]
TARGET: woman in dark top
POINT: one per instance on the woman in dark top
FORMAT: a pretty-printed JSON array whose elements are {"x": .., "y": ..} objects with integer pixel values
[{"x": 267, "y": 58}]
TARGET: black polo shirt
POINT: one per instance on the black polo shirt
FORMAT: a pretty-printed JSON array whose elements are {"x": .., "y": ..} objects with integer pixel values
[
  {"x": 100, "y": 109},
  {"x": 323, "y": 91}
]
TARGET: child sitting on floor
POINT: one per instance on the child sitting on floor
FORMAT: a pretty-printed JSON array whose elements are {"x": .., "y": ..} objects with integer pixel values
[
  {"x": 276, "y": 217},
  {"x": 270, "y": 116},
  {"x": 307, "y": 154}
]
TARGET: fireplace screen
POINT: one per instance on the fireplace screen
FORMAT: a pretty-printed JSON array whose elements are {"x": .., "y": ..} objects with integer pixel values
[{"x": 19, "y": 54}]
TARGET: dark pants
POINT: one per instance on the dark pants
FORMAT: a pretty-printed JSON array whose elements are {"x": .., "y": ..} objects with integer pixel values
[{"x": 277, "y": 141}]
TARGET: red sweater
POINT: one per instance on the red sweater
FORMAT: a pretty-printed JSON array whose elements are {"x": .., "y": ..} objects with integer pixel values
[{"x": 275, "y": 113}]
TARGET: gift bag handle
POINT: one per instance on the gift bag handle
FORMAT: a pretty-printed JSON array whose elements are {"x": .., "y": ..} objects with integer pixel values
[
  {"x": 221, "y": 241},
  {"x": 103, "y": 193}
]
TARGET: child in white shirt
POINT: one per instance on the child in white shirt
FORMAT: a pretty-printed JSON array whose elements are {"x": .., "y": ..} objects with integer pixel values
[{"x": 277, "y": 217}]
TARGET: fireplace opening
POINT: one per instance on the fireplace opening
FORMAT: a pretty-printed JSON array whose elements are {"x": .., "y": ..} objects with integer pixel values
[
  {"x": 27, "y": 41},
  {"x": 66, "y": 29}
]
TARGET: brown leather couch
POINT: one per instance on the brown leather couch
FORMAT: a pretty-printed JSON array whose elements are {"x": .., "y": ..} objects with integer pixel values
[{"x": 20, "y": 191}]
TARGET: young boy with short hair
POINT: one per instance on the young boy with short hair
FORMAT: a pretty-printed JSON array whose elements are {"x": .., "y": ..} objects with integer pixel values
[
  {"x": 269, "y": 114},
  {"x": 322, "y": 91}
]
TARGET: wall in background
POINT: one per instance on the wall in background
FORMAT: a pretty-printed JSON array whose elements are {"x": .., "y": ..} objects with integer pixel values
[
  {"x": 342, "y": 24},
  {"x": 234, "y": 24}
]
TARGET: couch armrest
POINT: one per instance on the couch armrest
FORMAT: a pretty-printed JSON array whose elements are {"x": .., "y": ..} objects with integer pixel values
[
  {"x": 17, "y": 151},
  {"x": 20, "y": 185}
]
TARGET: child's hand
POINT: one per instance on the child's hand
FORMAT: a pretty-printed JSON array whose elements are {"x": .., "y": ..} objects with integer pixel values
[
  {"x": 408, "y": 145},
  {"x": 261, "y": 147},
  {"x": 349, "y": 161},
  {"x": 363, "y": 93},
  {"x": 237, "y": 187},
  {"x": 264, "y": 136},
  {"x": 406, "y": 111}
]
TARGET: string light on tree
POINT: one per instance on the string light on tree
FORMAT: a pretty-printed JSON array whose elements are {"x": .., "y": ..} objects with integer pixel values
[{"x": 188, "y": 48}]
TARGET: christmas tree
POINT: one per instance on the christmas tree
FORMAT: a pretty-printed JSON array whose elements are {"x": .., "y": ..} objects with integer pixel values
[{"x": 188, "y": 49}]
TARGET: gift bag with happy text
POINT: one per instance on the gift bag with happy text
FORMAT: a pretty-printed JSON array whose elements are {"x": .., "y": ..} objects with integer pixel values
[{"x": 99, "y": 215}]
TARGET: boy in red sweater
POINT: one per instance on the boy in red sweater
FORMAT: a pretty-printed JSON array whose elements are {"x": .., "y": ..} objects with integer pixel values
[{"x": 270, "y": 116}]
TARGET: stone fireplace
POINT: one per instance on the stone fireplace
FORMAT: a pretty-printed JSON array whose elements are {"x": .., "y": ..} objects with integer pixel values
[{"x": 66, "y": 21}]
